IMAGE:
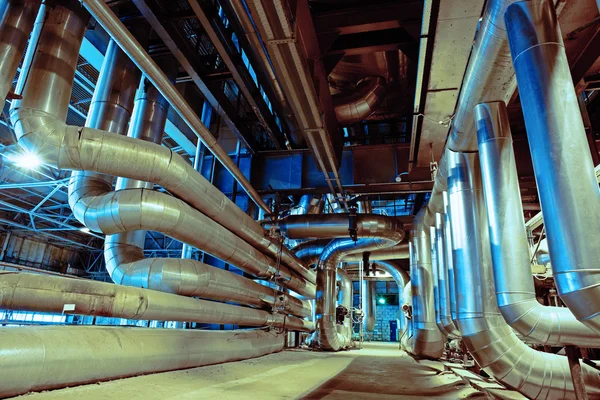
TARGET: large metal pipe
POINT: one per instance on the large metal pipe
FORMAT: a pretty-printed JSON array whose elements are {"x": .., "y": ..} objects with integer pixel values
[
  {"x": 334, "y": 253},
  {"x": 489, "y": 339},
  {"x": 16, "y": 23},
  {"x": 33, "y": 292},
  {"x": 310, "y": 251},
  {"x": 345, "y": 299},
  {"x": 562, "y": 162},
  {"x": 449, "y": 259},
  {"x": 43, "y": 358},
  {"x": 435, "y": 279},
  {"x": 111, "y": 23},
  {"x": 127, "y": 265},
  {"x": 358, "y": 104},
  {"x": 445, "y": 315},
  {"x": 402, "y": 279},
  {"x": 369, "y": 304},
  {"x": 426, "y": 340},
  {"x": 515, "y": 292},
  {"x": 41, "y": 129}
]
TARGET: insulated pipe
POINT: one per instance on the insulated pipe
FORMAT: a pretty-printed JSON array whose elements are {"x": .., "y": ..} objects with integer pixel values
[
  {"x": 491, "y": 342},
  {"x": 310, "y": 251},
  {"x": 327, "y": 335},
  {"x": 358, "y": 104},
  {"x": 32, "y": 292},
  {"x": 406, "y": 309},
  {"x": 449, "y": 260},
  {"x": 44, "y": 357},
  {"x": 515, "y": 292},
  {"x": 369, "y": 304},
  {"x": 16, "y": 23},
  {"x": 396, "y": 252},
  {"x": 127, "y": 265},
  {"x": 448, "y": 326},
  {"x": 435, "y": 281},
  {"x": 562, "y": 162},
  {"x": 111, "y": 23},
  {"x": 327, "y": 226},
  {"x": 40, "y": 129},
  {"x": 345, "y": 298}
]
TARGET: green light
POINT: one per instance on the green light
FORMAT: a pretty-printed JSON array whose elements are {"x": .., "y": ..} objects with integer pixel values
[{"x": 381, "y": 300}]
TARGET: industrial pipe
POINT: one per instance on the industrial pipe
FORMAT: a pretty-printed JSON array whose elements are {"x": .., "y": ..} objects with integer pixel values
[
  {"x": 33, "y": 292},
  {"x": 448, "y": 326},
  {"x": 369, "y": 304},
  {"x": 449, "y": 259},
  {"x": 45, "y": 357},
  {"x": 16, "y": 23},
  {"x": 562, "y": 162},
  {"x": 435, "y": 270},
  {"x": 491, "y": 342},
  {"x": 356, "y": 105},
  {"x": 515, "y": 292},
  {"x": 127, "y": 265},
  {"x": 345, "y": 299}
]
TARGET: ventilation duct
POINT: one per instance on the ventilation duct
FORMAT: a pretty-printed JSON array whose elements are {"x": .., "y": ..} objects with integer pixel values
[
  {"x": 515, "y": 292},
  {"x": 491, "y": 342},
  {"x": 16, "y": 22},
  {"x": 562, "y": 162},
  {"x": 355, "y": 106},
  {"x": 21, "y": 291},
  {"x": 49, "y": 360}
]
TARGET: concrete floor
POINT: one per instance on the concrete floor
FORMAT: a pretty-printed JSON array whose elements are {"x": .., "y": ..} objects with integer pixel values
[{"x": 379, "y": 371}]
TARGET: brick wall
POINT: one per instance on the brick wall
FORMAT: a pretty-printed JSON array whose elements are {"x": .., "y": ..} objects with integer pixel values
[{"x": 385, "y": 314}]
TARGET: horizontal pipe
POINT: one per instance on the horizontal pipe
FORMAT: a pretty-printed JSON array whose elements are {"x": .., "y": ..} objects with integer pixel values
[
  {"x": 515, "y": 291},
  {"x": 53, "y": 357},
  {"x": 127, "y": 265},
  {"x": 33, "y": 292}
]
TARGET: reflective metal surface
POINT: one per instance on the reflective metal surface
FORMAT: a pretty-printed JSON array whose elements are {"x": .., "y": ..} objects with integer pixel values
[
  {"x": 562, "y": 162},
  {"x": 16, "y": 23},
  {"x": 361, "y": 102},
  {"x": 491, "y": 342},
  {"x": 449, "y": 259},
  {"x": 445, "y": 315},
  {"x": 44, "y": 357},
  {"x": 369, "y": 304},
  {"x": 515, "y": 291}
]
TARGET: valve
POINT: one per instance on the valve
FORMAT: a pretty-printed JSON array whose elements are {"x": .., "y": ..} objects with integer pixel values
[
  {"x": 352, "y": 224},
  {"x": 340, "y": 314}
]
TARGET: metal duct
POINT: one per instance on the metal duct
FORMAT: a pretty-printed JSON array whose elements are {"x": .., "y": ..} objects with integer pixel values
[
  {"x": 406, "y": 308},
  {"x": 16, "y": 23},
  {"x": 310, "y": 251},
  {"x": 328, "y": 337},
  {"x": 443, "y": 284},
  {"x": 396, "y": 252},
  {"x": 491, "y": 342},
  {"x": 515, "y": 292},
  {"x": 435, "y": 279},
  {"x": 369, "y": 304},
  {"x": 562, "y": 162},
  {"x": 449, "y": 260},
  {"x": 310, "y": 204},
  {"x": 41, "y": 130},
  {"x": 44, "y": 357},
  {"x": 127, "y": 265},
  {"x": 426, "y": 340},
  {"x": 32, "y": 292},
  {"x": 327, "y": 226},
  {"x": 358, "y": 104}
]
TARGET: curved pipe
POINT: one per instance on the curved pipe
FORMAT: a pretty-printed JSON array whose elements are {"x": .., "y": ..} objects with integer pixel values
[
  {"x": 127, "y": 265},
  {"x": 48, "y": 360},
  {"x": 327, "y": 334},
  {"x": 491, "y": 342},
  {"x": 515, "y": 292},
  {"x": 22, "y": 291},
  {"x": 396, "y": 252},
  {"x": 16, "y": 23},
  {"x": 427, "y": 341},
  {"x": 445, "y": 315},
  {"x": 327, "y": 226},
  {"x": 354, "y": 106},
  {"x": 345, "y": 298},
  {"x": 310, "y": 251},
  {"x": 562, "y": 162},
  {"x": 40, "y": 128}
]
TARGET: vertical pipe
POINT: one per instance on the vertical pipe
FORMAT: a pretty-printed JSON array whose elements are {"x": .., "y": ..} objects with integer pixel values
[
  {"x": 447, "y": 324},
  {"x": 561, "y": 157},
  {"x": 449, "y": 258},
  {"x": 435, "y": 278},
  {"x": 16, "y": 22}
]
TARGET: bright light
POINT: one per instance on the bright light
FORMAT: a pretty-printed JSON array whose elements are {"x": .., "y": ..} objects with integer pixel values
[
  {"x": 26, "y": 159},
  {"x": 381, "y": 300},
  {"x": 85, "y": 229}
]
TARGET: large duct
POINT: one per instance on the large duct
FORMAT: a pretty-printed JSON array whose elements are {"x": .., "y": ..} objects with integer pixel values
[
  {"x": 345, "y": 299},
  {"x": 435, "y": 279},
  {"x": 369, "y": 304},
  {"x": 427, "y": 340},
  {"x": 334, "y": 253},
  {"x": 43, "y": 131},
  {"x": 354, "y": 106},
  {"x": 491, "y": 342},
  {"x": 443, "y": 277},
  {"x": 32, "y": 292},
  {"x": 310, "y": 251},
  {"x": 16, "y": 23},
  {"x": 45, "y": 358},
  {"x": 449, "y": 259},
  {"x": 562, "y": 162},
  {"x": 515, "y": 292}
]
